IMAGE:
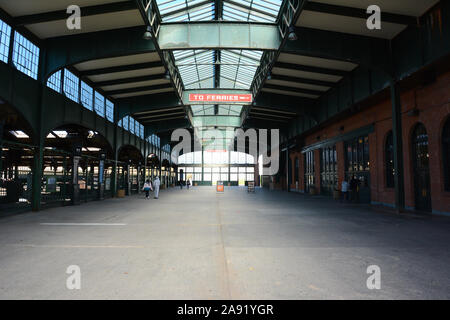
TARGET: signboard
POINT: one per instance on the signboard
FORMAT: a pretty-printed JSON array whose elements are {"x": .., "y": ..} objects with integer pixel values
[
  {"x": 219, "y": 186},
  {"x": 220, "y": 98}
]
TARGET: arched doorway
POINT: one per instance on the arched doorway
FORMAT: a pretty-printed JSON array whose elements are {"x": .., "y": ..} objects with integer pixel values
[
  {"x": 17, "y": 152},
  {"x": 77, "y": 166},
  {"x": 130, "y": 170},
  {"x": 421, "y": 167}
]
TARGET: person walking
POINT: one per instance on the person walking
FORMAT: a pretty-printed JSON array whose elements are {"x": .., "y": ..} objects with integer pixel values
[
  {"x": 147, "y": 188},
  {"x": 156, "y": 185},
  {"x": 344, "y": 190},
  {"x": 181, "y": 179},
  {"x": 354, "y": 187}
]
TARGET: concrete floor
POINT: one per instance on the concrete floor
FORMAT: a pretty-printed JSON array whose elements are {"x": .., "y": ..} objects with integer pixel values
[{"x": 197, "y": 244}]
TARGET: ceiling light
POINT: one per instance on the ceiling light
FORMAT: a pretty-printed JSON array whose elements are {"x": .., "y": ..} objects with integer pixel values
[
  {"x": 148, "y": 34},
  {"x": 292, "y": 36}
]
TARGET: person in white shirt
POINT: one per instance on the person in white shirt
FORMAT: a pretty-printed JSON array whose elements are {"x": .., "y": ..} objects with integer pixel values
[
  {"x": 344, "y": 190},
  {"x": 156, "y": 185}
]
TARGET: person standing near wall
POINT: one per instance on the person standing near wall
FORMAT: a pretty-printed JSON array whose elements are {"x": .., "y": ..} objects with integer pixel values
[
  {"x": 344, "y": 190},
  {"x": 354, "y": 187},
  {"x": 181, "y": 179},
  {"x": 156, "y": 185}
]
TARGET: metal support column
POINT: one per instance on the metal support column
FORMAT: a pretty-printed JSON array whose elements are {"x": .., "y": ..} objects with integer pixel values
[
  {"x": 287, "y": 168},
  {"x": 101, "y": 177},
  {"x": 37, "y": 177},
  {"x": 113, "y": 185},
  {"x": 139, "y": 172},
  {"x": 75, "y": 186},
  {"x": 203, "y": 163},
  {"x": 129, "y": 179},
  {"x": 2, "y": 123},
  {"x": 398, "y": 147}
]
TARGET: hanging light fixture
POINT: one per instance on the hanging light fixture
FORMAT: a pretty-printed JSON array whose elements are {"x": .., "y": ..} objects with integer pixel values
[
  {"x": 269, "y": 76},
  {"x": 292, "y": 36},
  {"x": 148, "y": 34},
  {"x": 167, "y": 75}
]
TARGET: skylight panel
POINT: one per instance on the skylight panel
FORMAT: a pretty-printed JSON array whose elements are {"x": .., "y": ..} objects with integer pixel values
[
  {"x": 251, "y": 10},
  {"x": 186, "y": 10}
]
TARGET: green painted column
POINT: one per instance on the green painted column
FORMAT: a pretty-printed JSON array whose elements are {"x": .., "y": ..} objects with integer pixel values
[
  {"x": 2, "y": 123},
  {"x": 101, "y": 177},
  {"x": 203, "y": 164},
  {"x": 114, "y": 179},
  {"x": 38, "y": 162},
  {"x": 128, "y": 181},
  {"x": 398, "y": 147}
]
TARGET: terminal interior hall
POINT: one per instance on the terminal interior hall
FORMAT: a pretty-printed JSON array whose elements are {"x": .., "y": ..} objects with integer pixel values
[{"x": 225, "y": 149}]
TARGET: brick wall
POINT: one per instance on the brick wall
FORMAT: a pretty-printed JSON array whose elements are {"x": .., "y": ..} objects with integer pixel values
[{"x": 433, "y": 102}]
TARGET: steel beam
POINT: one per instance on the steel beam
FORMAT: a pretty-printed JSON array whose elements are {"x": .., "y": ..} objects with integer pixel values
[
  {"x": 129, "y": 80},
  {"x": 358, "y": 13},
  {"x": 129, "y": 106},
  {"x": 132, "y": 67},
  {"x": 85, "y": 12},
  {"x": 138, "y": 89},
  {"x": 321, "y": 83},
  {"x": 219, "y": 35},
  {"x": 283, "y": 103},
  {"x": 298, "y": 67},
  {"x": 69, "y": 50},
  {"x": 295, "y": 90},
  {"x": 361, "y": 50}
]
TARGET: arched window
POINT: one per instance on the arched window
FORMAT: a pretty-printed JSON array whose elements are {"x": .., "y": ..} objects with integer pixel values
[
  {"x": 297, "y": 165},
  {"x": 446, "y": 154},
  {"x": 421, "y": 169},
  {"x": 389, "y": 160}
]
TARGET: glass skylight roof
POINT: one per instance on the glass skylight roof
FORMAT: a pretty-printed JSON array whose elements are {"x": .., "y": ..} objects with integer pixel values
[
  {"x": 229, "y": 110},
  {"x": 186, "y": 10},
  {"x": 251, "y": 10},
  {"x": 196, "y": 68},
  {"x": 224, "y": 110},
  {"x": 233, "y": 10},
  {"x": 237, "y": 67},
  {"x": 203, "y": 110}
]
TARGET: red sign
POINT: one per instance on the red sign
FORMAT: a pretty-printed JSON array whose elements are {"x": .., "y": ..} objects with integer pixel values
[{"x": 220, "y": 98}]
